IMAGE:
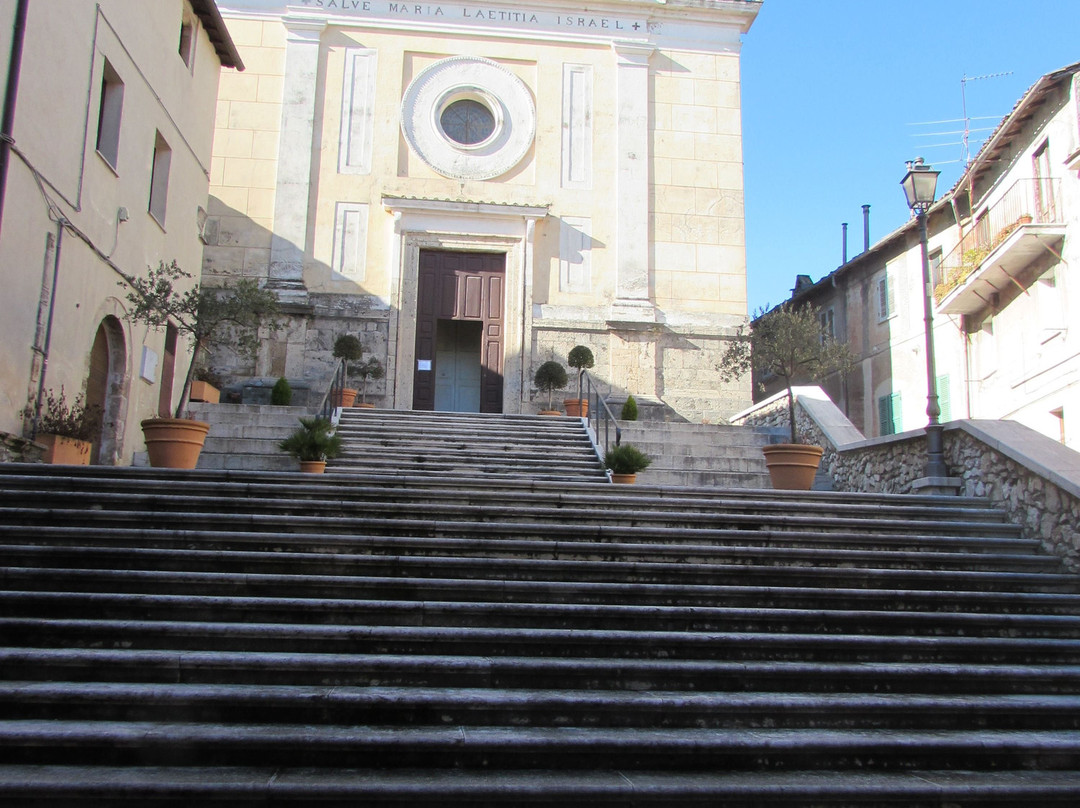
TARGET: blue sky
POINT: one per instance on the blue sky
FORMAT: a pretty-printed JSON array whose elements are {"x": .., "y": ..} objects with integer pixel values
[{"x": 830, "y": 94}]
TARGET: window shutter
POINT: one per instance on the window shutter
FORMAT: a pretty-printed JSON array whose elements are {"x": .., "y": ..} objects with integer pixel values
[
  {"x": 943, "y": 397},
  {"x": 897, "y": 411},
  {"x": 885, "y": 299}
]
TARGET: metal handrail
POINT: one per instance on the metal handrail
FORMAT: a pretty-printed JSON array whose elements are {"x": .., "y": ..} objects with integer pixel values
[
  {"x": 333, "y": 393},
  {"x": 599, "y": 412}
]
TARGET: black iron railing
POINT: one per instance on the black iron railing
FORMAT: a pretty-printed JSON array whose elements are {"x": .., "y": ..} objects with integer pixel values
[
  {"x": 333, "y": 393},
  {"x": 600, "y": 418}
]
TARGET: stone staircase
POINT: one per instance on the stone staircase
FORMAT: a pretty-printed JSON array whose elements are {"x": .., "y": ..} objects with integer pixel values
[
  {"x": 708, "y": 455},
  {"x": 250, "y": 638},
  {"x": 246, "y": 436},
  {"x": 466, "y": 444}
]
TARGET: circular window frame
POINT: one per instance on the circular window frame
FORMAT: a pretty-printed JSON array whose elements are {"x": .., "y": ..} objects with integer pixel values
[
  {"x": 459, "y": 78},
  {"x": 486, "y": 100}
]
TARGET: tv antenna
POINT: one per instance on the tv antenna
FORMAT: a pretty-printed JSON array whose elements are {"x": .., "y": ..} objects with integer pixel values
[{"x": 966, "y": 155}]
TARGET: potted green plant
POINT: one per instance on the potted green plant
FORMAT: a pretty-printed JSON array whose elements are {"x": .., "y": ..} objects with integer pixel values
[
  {"x": 550, "y": 376},
  {"x": 67, "y": 431},
  {"x": 787, "y": 342},
  {"x": 370, "y": 370},
  {"x": 313, "y": 443},
  {"x": 206, "y": 385},
  {"x": 209, "y": 317},
  {"x": 281, "y": 393},
  {"x": 625, "y": 460},
  {"x": 348, "y": 348},
  {"x": 629, "y": 409},
  {"x": 580, "y": 358}
]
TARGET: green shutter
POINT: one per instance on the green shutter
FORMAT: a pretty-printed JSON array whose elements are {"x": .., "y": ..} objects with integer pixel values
[
  {"x": 943, "y": 398},
  {"x": 897, "y": 410},
  {"x": 889, "y": 414}
]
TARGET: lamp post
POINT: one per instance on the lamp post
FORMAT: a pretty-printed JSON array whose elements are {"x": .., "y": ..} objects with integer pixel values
[{"x": 919, "y": 185}]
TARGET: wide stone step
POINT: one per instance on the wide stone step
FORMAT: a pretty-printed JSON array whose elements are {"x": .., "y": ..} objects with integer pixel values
[
  {"x": 325, "y": 575},
  {"x": 183, "y": 743},
  {"x": 199, "y": 666},
  {"x": 478, "y": 707},
  {"x": 513, "y": 559},
  {"x": 121, "y": 624},
  {"x": 289, "y": 599},
  {"x": 92, "y": 785}
]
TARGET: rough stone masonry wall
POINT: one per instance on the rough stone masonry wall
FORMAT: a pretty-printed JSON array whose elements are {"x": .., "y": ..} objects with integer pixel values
[{"x": 1043, "y": 510}]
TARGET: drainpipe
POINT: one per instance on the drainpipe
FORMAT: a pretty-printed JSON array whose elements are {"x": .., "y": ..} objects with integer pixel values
[
  {"x": 7, "y": 122},
  {"x": 48, "y": 329},
  {"x": 866, "y": 228}
]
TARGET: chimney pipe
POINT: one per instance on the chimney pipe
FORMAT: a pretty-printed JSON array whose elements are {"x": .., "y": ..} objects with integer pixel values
[
  {"x": 844, "y": 226},
  {"x": 866, "y": 228}
]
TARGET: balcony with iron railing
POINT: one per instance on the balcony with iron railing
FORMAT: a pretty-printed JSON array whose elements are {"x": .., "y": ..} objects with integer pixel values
[{"x": 1007, "y": 237}]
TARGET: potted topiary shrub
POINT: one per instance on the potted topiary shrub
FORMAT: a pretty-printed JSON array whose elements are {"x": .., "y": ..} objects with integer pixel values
[
  {"x": 550, "y": 376},
  {"x": 787, "y": 342},
  {"x": 67, "y": 431},
  {"x": 210, "y": 317},
  {"x": 281, "y": 393},
  {"x": 629, "y": 409},
  {"x": 580, "y": 358},
  {"x": 372, "y": 369},
  {"x": 348, "y": 348},
  {"x": 625, "y": 461},
  {"x": 313, "y": 443}
]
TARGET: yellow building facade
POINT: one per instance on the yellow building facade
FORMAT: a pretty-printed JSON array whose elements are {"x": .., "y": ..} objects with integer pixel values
[
  {"x": 109, "y": 130},
  {"x": 474, "y": 189}
]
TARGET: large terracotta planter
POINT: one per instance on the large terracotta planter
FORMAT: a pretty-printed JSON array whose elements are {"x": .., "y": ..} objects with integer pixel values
[
  {"x": 624, "y": 479},
  {"x": 174, "y": 443},
  {"x": 313, "y": 466},
  {"x": 205, "y": 392},
  {"x": 61, "y": 450},
  {"x": 576, "y": 407},
  {"x": 792, "y": 466},
  {"x": 345, "y": 397}
]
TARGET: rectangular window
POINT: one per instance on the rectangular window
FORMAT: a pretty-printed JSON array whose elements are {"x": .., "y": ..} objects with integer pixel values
[
  {"x": 111, "y": 105},
  {"x": 188, "y": 29},
  {"x": 159, "y": 179},
  {"x": 889, "y": 413},
  {"x": 935, "y": 268},
  {"x": 828, "y": 325},
  {"x": 885, "y": 302}
]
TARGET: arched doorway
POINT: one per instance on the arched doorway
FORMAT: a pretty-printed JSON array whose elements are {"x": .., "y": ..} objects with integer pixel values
[{"x": 104, "y": 388}]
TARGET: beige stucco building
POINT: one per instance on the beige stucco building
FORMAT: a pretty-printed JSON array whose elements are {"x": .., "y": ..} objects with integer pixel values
[
  {"x": 475, "y": 188},
  {"x": 108, "y": 168},
  {"x": 1004, "y": 252}
]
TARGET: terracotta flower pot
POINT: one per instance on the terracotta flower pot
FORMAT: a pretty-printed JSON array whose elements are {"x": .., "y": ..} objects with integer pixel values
[
  {"x": 549, "y": 412},
  {"x": 576, "y": 407},
  {"x": 205, "y": 392},
  {"x": 174, "y": 443},
  {"x": 364, "y": 405},
  {"x": 61, "y": 450},
  {"x": 345, "y": 398},
  {"x": 792, "y": 466},
  {"x": 313, "y": 466},
  {"x": 625, "y": 479}
]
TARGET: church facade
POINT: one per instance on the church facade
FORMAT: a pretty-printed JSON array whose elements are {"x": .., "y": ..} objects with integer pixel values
[{"x": 473, "y": 189}]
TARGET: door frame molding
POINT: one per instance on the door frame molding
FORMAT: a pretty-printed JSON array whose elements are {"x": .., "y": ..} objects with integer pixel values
[{"x": 422, "y": 224}]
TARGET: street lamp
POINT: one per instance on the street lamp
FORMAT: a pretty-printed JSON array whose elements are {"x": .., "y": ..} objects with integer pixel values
[{"x": 919, "y": 185}]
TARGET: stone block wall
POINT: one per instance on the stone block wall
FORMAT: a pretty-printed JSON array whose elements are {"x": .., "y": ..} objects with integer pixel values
[{"x": 1017, "y": 474}]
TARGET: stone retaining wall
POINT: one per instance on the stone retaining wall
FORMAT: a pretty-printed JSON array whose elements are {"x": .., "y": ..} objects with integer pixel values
[{"x": 1035, "y": 480}]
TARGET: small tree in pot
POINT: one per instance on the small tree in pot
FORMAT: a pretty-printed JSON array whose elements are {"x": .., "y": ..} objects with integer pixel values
[
  {"x": 550, "y": 376},
  {"x": 231, "y": 315},
  {"x": 313, "y": 443},
  {"x": 580, "y": 358},
  {"x": 372, "y": 369},
  {"x": 625, "y": 461},
  {"x": 787, "y": 342},
  {"x": 348, "y": 347}
]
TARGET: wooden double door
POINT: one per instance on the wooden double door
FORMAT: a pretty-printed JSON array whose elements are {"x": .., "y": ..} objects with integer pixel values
[{"x": 459, "y": 331}]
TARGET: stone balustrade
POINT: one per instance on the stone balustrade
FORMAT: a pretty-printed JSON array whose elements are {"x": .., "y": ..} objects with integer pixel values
[{"x": 1035, "y": 479}]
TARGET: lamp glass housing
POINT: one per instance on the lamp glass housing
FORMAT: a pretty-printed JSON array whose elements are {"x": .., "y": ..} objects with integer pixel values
[{"x": 920, "y": 185}]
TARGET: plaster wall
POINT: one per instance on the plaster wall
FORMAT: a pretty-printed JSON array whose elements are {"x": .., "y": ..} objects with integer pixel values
[{"x": 640, "y": 253}]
